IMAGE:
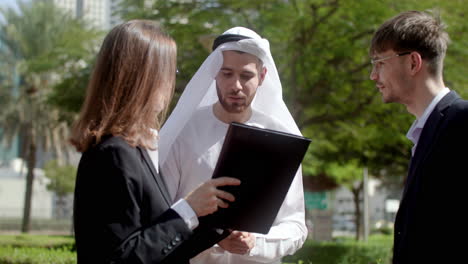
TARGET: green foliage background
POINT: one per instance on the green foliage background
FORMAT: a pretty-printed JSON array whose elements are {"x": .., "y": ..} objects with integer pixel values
[
  {"x": 321, "y": 50},
  {"x": 62, "y": 177}
]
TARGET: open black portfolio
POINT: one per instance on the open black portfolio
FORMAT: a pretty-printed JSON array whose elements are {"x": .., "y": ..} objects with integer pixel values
[{"x": 266, "y": 162}]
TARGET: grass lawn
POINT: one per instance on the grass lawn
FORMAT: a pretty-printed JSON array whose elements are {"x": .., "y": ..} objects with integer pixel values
[{"x": 47, "y": 249}]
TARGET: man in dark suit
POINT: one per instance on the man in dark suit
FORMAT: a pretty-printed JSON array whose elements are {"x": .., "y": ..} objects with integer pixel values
[{"x": 407, "y": 56}]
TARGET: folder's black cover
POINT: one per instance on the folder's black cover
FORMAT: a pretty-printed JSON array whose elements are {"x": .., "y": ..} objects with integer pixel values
[{"x": 266, "y": 162}]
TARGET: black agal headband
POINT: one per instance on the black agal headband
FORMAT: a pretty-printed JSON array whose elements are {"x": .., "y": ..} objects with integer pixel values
[{"x": 227, "y": 38}]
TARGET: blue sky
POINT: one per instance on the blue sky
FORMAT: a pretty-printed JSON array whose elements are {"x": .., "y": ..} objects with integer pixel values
[
  {"x": 11, "y": 3},
  {"x": 8, "y": 3}
]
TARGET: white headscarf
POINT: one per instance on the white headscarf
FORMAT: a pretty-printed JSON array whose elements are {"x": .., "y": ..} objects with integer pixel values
[{"x": 201, "y": 90}]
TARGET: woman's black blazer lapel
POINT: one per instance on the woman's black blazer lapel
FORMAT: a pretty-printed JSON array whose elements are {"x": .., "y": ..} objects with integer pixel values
[{"x": 157, "y": 176}]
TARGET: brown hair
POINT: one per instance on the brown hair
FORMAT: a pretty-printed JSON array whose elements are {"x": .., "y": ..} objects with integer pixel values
[
  {"x": 414, "y": 31},
  {"x": 130, "y": 87}
]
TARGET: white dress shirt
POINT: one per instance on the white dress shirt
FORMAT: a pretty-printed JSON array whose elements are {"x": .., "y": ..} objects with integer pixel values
[
  {"x": 416, "y": 128},
  {"x": 191, "y": 161}
]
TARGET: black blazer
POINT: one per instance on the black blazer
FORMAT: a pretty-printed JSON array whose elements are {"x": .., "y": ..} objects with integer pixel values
[
  {"x": 429, "y": 224},
  {"x": 122, "y": 210}
]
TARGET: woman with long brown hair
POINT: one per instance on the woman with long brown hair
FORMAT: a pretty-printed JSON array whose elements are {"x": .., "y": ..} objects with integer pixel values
[{"x": 122, "y": 210}]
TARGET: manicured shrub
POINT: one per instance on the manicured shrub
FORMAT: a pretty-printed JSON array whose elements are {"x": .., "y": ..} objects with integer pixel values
[
  {"x": 344, "y": 251},
  {"x": 45, "y": 225},
  {"x": 25, "y": 255},
  {"x": 383, "y": 230},
  {"x": 42, "y": 249},
  {"x": 37, "y": 241}
]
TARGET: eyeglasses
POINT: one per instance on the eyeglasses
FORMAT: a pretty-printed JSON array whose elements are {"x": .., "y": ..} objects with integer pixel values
[{"x": 373, "y": 62}]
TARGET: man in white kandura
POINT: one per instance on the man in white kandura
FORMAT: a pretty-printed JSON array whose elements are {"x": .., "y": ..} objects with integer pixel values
[{"x": 237, "y": 82}]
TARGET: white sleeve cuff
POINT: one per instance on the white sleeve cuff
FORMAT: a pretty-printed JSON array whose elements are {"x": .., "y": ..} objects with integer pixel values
[{"x": 186, "y": 212}]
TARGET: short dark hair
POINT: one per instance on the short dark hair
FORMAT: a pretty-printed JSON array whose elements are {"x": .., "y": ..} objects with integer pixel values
[
  {"x": 414, "y": 31},
  {"x": 135, "y": 66}
]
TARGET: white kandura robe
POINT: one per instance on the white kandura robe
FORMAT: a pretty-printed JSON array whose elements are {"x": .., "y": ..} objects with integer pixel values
[{"x": 191, "y": 161}]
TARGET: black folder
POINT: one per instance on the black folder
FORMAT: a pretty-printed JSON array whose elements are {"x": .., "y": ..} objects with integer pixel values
[{"x": 266, "y": 162}]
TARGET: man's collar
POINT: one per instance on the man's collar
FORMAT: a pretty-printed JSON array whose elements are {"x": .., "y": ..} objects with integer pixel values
[{"x": 420, "y": 122}]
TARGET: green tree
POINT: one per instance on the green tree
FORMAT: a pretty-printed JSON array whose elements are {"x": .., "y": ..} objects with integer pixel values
[
  {"x": 321, "y": 50},
  {"x": 62, "y": 183},
  {"x": 69, "y": 94},
  {"x": 332, "y": 98},
  {"x": 40, "y": 43}
]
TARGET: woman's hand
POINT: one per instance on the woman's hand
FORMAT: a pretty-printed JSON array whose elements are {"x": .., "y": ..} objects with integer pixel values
[{"x": 206, "y": 198}]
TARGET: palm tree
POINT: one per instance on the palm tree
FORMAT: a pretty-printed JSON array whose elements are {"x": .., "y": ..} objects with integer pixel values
[{"x": 41, "y": 43}]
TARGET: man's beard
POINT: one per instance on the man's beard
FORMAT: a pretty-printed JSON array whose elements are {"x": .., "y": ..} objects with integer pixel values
[{"x": 233, "y": 108}]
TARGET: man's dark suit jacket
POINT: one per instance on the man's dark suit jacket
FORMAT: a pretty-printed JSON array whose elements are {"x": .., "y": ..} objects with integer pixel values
[
  {"x": 122, "y": 210},
  {"x": 430, "y": 226}
]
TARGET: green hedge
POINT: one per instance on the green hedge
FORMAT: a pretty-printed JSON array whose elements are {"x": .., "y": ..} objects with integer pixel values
[
  {"x": 46, "y": 225},
  {"x": 344, "y": 251},
  {"x": 37, "y": 241},
  {"x": 41, "y": 249},
  {"x": 37, "y": 249},
  {"x": 14, "y": 255}
]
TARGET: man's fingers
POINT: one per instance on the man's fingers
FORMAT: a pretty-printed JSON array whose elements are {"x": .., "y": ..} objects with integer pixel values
[
  {"x": 240, "y": 249},
  {"x": 222, "y": 181}
]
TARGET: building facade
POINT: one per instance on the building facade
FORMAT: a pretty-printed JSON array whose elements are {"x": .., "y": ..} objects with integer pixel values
[
  {"x": 12, "y": 186},
  {"x": 101, "y": 14}
]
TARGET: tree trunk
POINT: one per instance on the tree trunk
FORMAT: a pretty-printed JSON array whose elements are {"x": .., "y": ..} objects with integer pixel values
[
  {"x": 357, "y": 205},
  {"x": 56, "y": 144},
  {"x": 31, "y": 161}
]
